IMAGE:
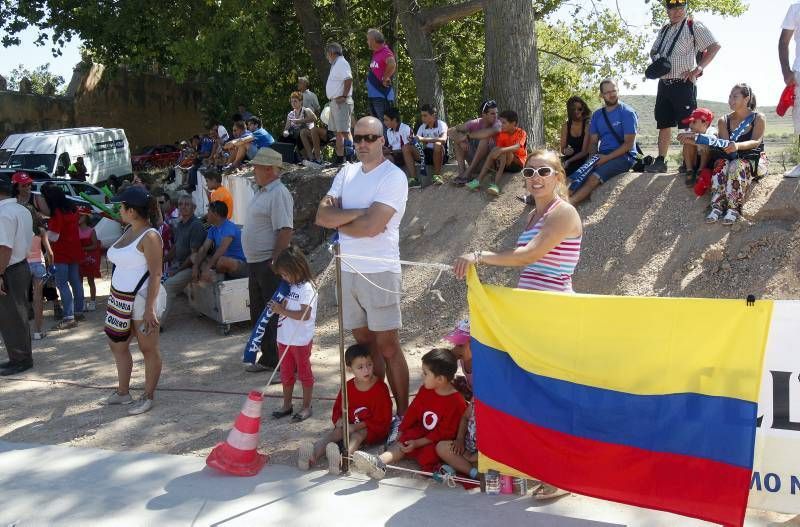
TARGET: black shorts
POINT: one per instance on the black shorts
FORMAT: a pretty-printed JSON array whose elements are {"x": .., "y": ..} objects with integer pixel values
[
  {"x": 429, "y": 155},
  {"x": 674, "y": 103},
  {"x": 514, "y": 166}
]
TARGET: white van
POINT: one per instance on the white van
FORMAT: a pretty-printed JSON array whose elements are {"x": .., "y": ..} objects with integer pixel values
[
  {"x": 105, "y": 152},
  {"x": 11, "y": 143}
]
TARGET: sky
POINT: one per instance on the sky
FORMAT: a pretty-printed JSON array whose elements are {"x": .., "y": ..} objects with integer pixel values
[{"x": 749, "y": 51}]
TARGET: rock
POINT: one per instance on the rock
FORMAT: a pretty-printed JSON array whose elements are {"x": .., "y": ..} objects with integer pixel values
[
  {"x": 742, "y": 256},
  {"x": 714, "y": 254},
  {"x": 725, "y": 266}
]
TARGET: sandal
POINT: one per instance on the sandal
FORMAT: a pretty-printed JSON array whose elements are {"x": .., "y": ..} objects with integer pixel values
[
  {"x": 277, "y": 414},
  {"x": 713, "y": 216},
  {"x": 730, "y": 217},
  {"x": 302, "y": 415},
  {"x": 545, "y": 491}
]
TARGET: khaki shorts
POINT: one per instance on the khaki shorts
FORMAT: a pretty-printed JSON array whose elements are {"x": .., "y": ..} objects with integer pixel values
[
  {"x": 341, "y": 114},
  {"x": 364, "y": 305},
  {"x": 140, "y": 302}
]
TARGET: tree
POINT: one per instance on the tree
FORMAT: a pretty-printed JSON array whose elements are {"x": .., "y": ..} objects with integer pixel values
[{"x": 39, "y": 77}]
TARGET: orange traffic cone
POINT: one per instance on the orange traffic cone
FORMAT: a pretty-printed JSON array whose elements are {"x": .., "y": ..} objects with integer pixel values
[{"x": 237, "y": 455}]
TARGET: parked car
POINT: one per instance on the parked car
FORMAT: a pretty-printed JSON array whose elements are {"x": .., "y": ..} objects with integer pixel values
[
  {"x": 104, "y": 150},
  {"x": 158, "y": 156}
]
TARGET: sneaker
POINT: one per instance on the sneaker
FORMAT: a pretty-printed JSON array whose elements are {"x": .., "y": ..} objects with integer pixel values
[
  {"x": 67, "y": 323},
  {"x": 369, "y": 464},
  {"x": 413, "y": 183},
  {"x": 39, "y": 335},
  {"x": 460, "y": 180},
  {"x": 658, "y": 167},
  {"x": 142, "y": 405},
  {"x": 91, "y": 305},
  {"x": 334, "y": 456},
  {"x": 493, "y": 189},
  {"x": 117, "y": 398},
  {"x": 80, "y": 317},
  {"x": 394, "y": 430},
  {"x": 437, "y": 179},
  {"x": 473, "y": 185},
  {"x": 304, "y": 454},
  {"x": 793, "y": 173},
  {"x": 257, "y": 368},
  {"x": 444, "y": 474},
  {"x": 730, "y": 217},
  {"x": 713, "y": 216}
]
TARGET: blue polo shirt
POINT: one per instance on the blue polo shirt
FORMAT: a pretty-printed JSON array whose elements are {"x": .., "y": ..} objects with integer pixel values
[
  {"x": 227, "y": 229},
  {"x": 262, "y": 138}
]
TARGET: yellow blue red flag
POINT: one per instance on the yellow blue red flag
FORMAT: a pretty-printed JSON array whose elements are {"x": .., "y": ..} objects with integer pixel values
[{"x": 645, "y": 401}]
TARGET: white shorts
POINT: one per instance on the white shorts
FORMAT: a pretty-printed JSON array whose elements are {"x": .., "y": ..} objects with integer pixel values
[
  {"x": 141, "y": 300},
  {"x": 796, "y": 109}
]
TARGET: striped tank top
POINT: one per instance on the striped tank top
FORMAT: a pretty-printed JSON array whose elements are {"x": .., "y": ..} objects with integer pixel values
[{"x": 552, "y": 272}]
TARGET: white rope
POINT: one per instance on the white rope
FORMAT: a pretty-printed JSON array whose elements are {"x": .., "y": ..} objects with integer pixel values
[
  {"x": 368, "y": 280},
  {"x": 432, "y": 265}
]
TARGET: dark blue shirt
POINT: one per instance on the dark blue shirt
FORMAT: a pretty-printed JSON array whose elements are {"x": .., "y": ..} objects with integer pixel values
[
  {"x": 228, "y": 229},
  {"x": 624, "y": 121}
]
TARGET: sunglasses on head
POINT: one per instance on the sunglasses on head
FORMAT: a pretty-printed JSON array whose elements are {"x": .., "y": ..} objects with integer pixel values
[
  {"x": 488, "y": 105},
  {"x": 369, "y": 138},
  {"x": 529, "y": 172}
]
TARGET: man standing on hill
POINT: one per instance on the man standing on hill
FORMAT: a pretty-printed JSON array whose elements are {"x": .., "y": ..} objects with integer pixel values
[
  {"x": 366, "y": 204},
  {"x": 339, "y": 90},
  {"x": 681, "y": 41},
  {"x": 379, "y": 78},
  {"x": 791, "y": 74}
]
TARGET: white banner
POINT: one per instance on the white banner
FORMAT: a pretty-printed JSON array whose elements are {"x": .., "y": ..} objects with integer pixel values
[{"x": 775, "y": 485}]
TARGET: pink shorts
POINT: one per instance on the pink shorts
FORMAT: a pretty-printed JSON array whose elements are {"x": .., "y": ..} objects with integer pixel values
[{"x": 297, "y": 358}]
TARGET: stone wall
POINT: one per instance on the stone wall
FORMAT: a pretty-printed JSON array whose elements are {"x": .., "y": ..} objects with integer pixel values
[{"x": 151, "y": 108}]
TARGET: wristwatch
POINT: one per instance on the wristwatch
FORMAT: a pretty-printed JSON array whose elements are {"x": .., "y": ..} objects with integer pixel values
[{"x": 699, "y": 67}]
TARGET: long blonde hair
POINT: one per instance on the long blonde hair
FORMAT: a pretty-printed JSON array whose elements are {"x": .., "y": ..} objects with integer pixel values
[{"x": 554, "y": 160}]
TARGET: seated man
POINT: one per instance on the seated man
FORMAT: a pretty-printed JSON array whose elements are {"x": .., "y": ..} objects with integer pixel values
[
  {"x": 473, "y": 140},
  {"x": 218, "y": 152},
  {"x": 612, "y": 133},
  {"x": 432, "y": 133},
  {"x": 217, "y": 191},
  {"x": 242, "y": 150},
  {"x": 225, "y": 239},
  {"x": 249, "y": 141},
  {"x": 188, "y": 238},
  {"x": 510, "y": 153},
  {"x": 399, "y": 148}
]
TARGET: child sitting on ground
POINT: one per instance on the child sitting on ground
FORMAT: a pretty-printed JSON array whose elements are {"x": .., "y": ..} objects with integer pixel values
[
  {"x": 369, "y": 409},
  {"x": 298, "y": 314},
  {"x": 695, "y": 160},
  {"x": 433, "y": 416}
]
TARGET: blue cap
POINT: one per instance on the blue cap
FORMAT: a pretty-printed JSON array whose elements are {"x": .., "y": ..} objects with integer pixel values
[{"x": 134, "y": 195}]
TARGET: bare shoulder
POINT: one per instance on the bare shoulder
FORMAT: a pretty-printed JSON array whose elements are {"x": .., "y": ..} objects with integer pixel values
[{"x": 566, "y": 217}]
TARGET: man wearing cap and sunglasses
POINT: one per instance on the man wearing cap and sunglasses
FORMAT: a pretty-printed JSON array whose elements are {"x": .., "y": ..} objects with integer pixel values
[
  {"x": 268, "y": 229},
  {"x": 366, "y": 204},
  {"x": 680, "y": 53}
]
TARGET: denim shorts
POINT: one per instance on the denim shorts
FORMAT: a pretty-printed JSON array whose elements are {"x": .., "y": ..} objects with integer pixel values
[
  {"x": 615, "y": 167},
  {"x": 38, "y": 270}
]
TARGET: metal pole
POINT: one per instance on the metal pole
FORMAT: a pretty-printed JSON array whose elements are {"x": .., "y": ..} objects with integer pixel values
[{"x": 342, "y": 367}]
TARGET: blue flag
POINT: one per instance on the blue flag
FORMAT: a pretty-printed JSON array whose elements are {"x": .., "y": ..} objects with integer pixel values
[
  {"x": 579, "y": 176},
  {"x": 254, "y": 343}
]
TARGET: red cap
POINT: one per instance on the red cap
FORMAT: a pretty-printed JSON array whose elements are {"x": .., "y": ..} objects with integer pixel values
[
  {"x": 786, "y": 101},
  {"x": 703, "y": 114},
  {"x": 21, "y": 178}
]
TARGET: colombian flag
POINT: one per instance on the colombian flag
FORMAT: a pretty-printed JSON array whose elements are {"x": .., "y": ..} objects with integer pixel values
[{"x": 644, "y": 401}]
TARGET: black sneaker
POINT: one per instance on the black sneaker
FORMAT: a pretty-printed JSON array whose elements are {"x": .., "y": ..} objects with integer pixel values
[
  {"x": 16, "y": 368},
  {"x": 658, "y": 167}
]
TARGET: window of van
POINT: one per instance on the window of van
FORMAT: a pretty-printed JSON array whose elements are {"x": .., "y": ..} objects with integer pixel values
[{"x": 42, "y": 162}]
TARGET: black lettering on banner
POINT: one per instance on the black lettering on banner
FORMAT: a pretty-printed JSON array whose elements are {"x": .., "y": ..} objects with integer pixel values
[
  {"x": 795, "y": 485},
  {"x": 776, "y": 482},
  {"x": 781, "y": 402}
]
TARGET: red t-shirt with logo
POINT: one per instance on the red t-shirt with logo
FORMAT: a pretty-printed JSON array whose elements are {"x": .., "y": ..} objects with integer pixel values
[
  {"x": 434, "y": 417},
  {"x": 373, "y": 407},
  {"x": 518, "y": 136},
  {"x": 67, "y": 249}
]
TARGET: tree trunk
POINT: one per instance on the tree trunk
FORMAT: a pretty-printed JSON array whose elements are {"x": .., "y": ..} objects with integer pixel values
[
  {"x": 312, "y": 35},
  {"x": 420, "y": 49},
  {"x": 512, "y": 63}
]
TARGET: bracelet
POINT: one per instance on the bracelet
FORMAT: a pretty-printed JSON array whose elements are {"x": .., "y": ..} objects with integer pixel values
[{"x": 478, "y": 257}]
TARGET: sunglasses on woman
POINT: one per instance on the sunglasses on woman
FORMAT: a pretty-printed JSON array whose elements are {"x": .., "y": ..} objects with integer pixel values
[
  {"x": 369, "y": 138},
  {"x": 529, "y": 172}
]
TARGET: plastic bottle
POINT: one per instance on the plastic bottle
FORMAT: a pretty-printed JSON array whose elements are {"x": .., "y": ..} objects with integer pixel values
[
  {"x": 506, "y": 485},
  {"x": 492, "y": 482}
]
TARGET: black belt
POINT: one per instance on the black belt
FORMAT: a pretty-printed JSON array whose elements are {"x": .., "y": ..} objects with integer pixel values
[{"x": 669, "y": 82}]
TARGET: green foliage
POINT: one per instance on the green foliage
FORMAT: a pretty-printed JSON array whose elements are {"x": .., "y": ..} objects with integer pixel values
[
  {"x": 251, "y": 51},
  {"x": 39, "y": 77}
]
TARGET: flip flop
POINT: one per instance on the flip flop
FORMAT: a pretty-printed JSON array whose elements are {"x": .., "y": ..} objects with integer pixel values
[{"x": 277, "y": 414}]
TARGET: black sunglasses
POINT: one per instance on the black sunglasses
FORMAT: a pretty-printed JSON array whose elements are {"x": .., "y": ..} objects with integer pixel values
[
  {"x": 488, "y": 105},
  {"x": 529, "y": 172},
  {"x": 369, "y": 138}
]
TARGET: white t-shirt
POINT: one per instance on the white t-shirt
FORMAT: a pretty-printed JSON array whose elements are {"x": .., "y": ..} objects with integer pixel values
[
  {"x": 293, "y": 332},
  {"x": 792, "y": 22},
  {"x": 385, "y": 184},
  {"x": 16, "y": 229},
  {"x": 222, "y": 133},
  {"x": 397, "y": 139},
  {"x": 424, "y": 131},
  {"x": 340, "y": 72}
]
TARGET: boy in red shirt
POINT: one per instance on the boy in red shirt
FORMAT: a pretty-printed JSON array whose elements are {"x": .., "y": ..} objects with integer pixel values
[
  {"x": 369, "y": 407},
  {"x": 508, "y": 154},
  {"x": 433, "y": 416}
]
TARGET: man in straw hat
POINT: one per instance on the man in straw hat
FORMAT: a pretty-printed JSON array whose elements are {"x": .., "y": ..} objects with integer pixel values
[{"x": 268, "y": 229}]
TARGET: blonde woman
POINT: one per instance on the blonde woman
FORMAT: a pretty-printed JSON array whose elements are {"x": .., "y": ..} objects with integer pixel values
[{"x": 549, "y": 248}]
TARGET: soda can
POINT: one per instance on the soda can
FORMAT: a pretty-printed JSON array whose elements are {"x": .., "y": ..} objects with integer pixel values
[{"x": 520, "y": 486}]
